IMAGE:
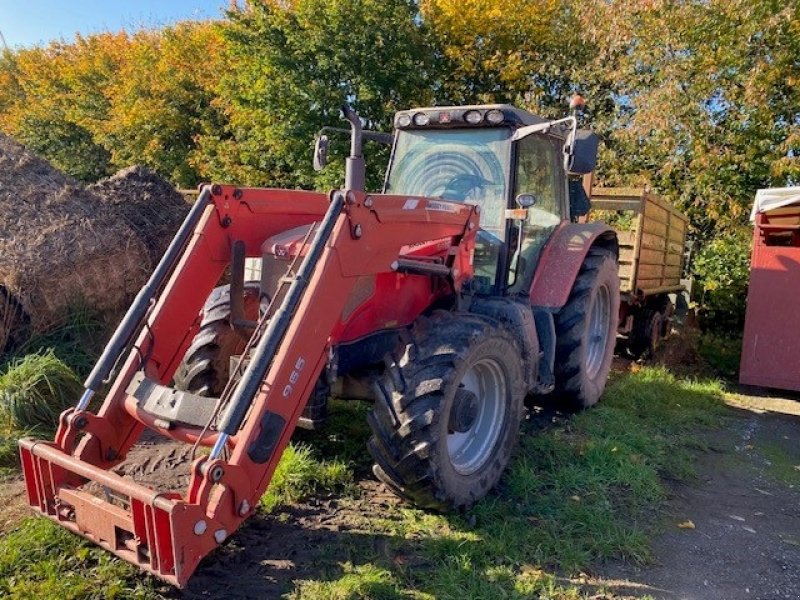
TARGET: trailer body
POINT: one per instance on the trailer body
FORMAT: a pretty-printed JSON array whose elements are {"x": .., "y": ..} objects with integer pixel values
[{"x": 652, "y": 244}]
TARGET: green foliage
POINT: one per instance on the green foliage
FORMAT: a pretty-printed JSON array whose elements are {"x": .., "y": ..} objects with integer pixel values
[
  {"x": 9, "y": 451},
  {"x": 77, "y": 341},
  {"x": 295, "y": 64},
  {"x": 705, "y": 100},
  {"x": 42, "y": 378},
  {"x": 162, "y": 98},
  {"x": 722, "y": 271},
  {"x": 35, "y": 390},
  {"x": 722, "y": 352},
  {"x": 524, "y": 53},
  {"x": 43, "y": 560},
  {"x": 698, "y": 99},
  {"x": 107, "y": 101},
  {"x": 299, "y": 475},
  {"x": 67, "y": 145}
]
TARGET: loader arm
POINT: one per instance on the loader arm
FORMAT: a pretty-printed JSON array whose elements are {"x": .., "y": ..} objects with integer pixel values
[{"x": 167, "y": 533}]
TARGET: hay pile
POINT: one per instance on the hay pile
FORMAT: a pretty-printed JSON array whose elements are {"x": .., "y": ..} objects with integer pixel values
[
  {"x": 148, "y": 204},
  {"x": 62, "y": 243}
]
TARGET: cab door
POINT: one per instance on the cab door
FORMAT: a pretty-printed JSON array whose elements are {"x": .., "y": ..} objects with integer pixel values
[{"x": 538, "y": 171}]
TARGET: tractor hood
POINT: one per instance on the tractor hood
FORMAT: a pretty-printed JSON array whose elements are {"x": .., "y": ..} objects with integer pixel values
[{"x": 287, "y": 244}]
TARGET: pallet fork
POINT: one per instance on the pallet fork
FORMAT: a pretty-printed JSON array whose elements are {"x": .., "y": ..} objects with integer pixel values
[{"x": 167, "y": 533}]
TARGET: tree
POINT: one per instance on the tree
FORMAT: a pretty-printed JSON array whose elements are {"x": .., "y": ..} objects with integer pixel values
[
  {"x": 162, "y": 98},
  {"x": 107, "y": 101},
  {"x": 521, "y": 52},
  {"x": 52, "y": 99},
  {"x": 708, "y": 101},
  {"x": 291, "y": 67}
]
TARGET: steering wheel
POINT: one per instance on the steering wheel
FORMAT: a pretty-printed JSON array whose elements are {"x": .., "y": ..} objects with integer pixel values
[{"x": 460, "y": 186}]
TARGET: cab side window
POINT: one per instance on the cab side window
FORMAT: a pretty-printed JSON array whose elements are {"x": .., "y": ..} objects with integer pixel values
[{"x": 539, "y": 172}]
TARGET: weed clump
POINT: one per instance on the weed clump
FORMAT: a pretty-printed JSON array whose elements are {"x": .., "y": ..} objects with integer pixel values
[
  {"x": 76, "y": 340},
  {"x": 300, "y": 475},
  {"x": 35, "y": 390}
]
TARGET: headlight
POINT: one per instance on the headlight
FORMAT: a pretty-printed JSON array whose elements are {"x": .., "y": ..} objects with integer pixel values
[
  {"x": 495, "y": 117},
  {"x": 404, "y": 120},
  {"x": 421, "y": 119},
  {"x": 473, "y": 117}
]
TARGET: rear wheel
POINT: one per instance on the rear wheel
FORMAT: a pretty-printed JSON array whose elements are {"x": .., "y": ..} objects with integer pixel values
[
  {"x": 586, "y": 330},
  {"x": 447, "y": 411}
]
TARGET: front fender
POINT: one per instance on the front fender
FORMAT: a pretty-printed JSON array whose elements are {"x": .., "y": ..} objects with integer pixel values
[{"x": 562, "y": 258}]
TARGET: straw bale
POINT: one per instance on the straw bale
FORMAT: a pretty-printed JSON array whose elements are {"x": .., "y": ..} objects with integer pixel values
[
  {"x": 148, "y": 204},
  {"x": 60, "y": 244}
]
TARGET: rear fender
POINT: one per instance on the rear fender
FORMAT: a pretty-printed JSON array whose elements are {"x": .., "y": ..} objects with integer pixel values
[{"x": 562, "y": 258}]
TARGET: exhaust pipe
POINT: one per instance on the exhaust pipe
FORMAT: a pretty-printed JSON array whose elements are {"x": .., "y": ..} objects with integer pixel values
[{"x": 355, "y": 168}]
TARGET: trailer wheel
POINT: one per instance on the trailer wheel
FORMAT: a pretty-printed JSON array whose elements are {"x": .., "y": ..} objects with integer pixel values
[
  {"x": 647, "y": 330},
  {"x": 447, "y": 411},
  {"x": 205, "y": 367},
  {"x": 586, "y": 331}
]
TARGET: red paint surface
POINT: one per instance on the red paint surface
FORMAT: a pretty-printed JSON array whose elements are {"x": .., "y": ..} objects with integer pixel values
[
  {"x": 168, "y": 534},
  {"x": 561, "y": 260},
  {"x": 771, "y": 343}
]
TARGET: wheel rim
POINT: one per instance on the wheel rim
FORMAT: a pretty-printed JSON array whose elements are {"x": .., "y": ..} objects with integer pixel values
[
  {"x": 598, "y": 331},
  {"x": 471, "y": 449}
]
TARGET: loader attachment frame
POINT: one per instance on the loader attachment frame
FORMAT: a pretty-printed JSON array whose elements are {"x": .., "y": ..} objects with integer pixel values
[{"x": 168, "y": 532}]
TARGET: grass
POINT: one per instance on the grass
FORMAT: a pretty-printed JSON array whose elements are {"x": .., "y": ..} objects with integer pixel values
[
  {"x": 42, "y": 378},
  {"x": 784, "y": 463},
  {"x": 34, "y": 390},
  {"x": 586, "y": 490},
  {"x": 43, "y": 560},
  {"x": 722, "y": 353},
  {"x": 579, "y": 490},
  {"x": 76, "y": 341},
  {"x": 301, "y": 474}
]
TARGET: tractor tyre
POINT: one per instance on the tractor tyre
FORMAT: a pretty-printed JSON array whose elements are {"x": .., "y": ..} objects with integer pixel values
[
  {"x": 205, "y": 367},
  {"x": 447, "y": 410},
  {"x": 646, "y": 333},
  {"x": 586, "y": 331}
]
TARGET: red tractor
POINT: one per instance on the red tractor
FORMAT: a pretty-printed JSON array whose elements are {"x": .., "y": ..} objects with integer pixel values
[{"x": 465, "y": 286}]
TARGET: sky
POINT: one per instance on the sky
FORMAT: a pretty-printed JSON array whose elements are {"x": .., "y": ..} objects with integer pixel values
[{"x": 29, "y": 22}]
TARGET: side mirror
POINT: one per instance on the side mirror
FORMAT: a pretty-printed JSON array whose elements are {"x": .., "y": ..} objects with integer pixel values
[
  {"x": 584, "y": 152},
  {"x": 320, "y": 152},
  {"x": 526, "y": 200}
]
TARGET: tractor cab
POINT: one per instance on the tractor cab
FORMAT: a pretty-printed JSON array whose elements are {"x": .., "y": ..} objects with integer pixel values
[
  {"x": 519, "y": 169},
  {"x": 510, "y": 163}
]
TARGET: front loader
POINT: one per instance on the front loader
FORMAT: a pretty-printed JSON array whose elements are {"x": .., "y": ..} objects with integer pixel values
[{"x": 447, "y": 299}]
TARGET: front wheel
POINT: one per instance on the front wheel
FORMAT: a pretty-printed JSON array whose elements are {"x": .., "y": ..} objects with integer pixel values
[
  {"x": 447, "y": 411},
  {"x": 586, "y": 331}
]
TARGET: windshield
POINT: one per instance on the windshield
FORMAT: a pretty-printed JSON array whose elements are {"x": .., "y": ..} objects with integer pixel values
[{"x": 465, "y": 165}]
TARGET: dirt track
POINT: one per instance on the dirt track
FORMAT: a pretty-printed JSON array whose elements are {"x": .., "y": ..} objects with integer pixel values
[{"x": 745, "y": 508}]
